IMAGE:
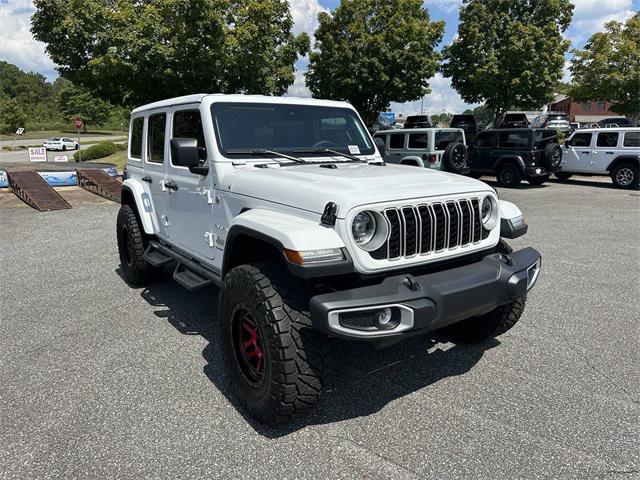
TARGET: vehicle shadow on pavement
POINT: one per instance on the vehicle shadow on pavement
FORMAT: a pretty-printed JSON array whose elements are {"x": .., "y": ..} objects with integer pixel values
[{"x": 364, "y": 380}]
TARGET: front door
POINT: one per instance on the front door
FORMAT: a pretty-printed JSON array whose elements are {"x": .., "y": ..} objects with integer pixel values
[
  {"x": 576, "y": 156},
  {"x": 190, "y": 196}
]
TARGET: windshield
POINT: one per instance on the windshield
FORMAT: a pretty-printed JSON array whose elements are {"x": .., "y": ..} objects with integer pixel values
[{"x": 242, "y": 127}]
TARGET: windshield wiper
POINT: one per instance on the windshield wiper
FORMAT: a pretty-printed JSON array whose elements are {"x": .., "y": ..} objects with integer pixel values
[
  {"x": 328, "y": 150},
  {"x": 262, "y": 151}
]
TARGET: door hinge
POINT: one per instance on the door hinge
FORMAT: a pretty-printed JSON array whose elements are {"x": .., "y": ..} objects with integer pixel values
[
  {"x": 210, "y": 238},
  {"x": 207, "y": 193}
]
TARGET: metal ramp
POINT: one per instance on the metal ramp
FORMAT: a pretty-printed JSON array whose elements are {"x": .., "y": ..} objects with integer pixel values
[
  {"x": 33, "y": 190},
  {"x": 98, "y": 182}
]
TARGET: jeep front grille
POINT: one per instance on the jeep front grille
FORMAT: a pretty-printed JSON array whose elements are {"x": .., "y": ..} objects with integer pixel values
[{"x": 431, "y": 228}]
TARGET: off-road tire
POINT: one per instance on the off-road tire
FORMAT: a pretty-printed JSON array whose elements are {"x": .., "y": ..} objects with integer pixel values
[
  {"x": 621, "y": 174},
  {"x": 297, "y": 358},
  {"x": 131, "y": 247},
  {"x": 538, "y": 180},
  {"x": 491, "y": 324},
  {"x": 509, "y": 175},
  {"x": 563, "y": 177},
  {"x": 454, "y": 158},
  {"x": 552, "y": 156}
]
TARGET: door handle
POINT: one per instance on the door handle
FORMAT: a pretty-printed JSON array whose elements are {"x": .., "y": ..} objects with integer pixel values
[
  {"x": 608, "y": 153},
  {"x": 147, "y": 179},
  {"x": 171, "y": 185}
]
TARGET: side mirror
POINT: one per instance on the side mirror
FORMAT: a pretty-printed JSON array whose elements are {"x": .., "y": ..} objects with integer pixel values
[
  {"x": 184, "y": 152},
  {"x": 380, "y": 144},
  {"x": 567, "y": 144}
]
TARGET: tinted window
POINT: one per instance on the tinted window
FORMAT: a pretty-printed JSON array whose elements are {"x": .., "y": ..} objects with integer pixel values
[
  {"x": 442, "y": 139},
  {"x": 632, "y": 139},
  {"x": 484, "y": 140},
  {"x": 288, "y": 128},
  {"x": 137, "y": 125},
  {"x": 607, "y": 139},
  {"x": 513, "y": 140},
  {"x": 581, "y": 140},
  {"x": 418, "y": 140},
  {"x": 155, "y": 134},
  {"x": 397, "y": 140},
  {"x": 188, "y": 124}
]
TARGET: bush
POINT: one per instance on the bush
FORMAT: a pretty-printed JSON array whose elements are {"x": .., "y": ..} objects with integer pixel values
[
  {"x": 99, "y": 150},
  {"x": 121, "y": 146}
]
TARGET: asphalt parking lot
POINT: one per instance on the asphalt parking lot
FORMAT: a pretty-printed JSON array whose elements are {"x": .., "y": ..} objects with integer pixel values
[{"x": 100, "y": 380}]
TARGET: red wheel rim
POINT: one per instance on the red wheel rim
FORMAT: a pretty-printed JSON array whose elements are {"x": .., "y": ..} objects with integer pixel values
[{"x": 247, "y": 342}]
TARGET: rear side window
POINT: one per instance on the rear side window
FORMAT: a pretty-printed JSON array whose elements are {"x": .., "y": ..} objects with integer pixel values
[
  {"x": 188, "y": 124},
  {"x": 513, "y": 140},
  {"x": 607, "y": 139},
  {"x": 418, "y": 140},
  {"x": 632, "y": 139},
  {"x": 581, "y": 140},
  {"x": 137, "y": 125},
  {"x": 396, "y": 140},
  {"x": 442, "y": 139},
  {"x": 484, "y": 140},
  {"x": 155, "y": 135}
]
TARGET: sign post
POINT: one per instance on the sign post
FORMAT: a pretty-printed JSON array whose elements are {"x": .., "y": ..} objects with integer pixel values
[{"x": 78, "y": 125}]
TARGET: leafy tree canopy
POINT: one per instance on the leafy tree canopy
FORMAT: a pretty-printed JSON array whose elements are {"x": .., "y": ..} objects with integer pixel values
[
  {"x": 76, "y": 101},
  {"x": 508, "y": 53},
  {"x": 373, "y": 52},
  {"x": 608, "y": 68},
  {"x": 131, "y": 52}
]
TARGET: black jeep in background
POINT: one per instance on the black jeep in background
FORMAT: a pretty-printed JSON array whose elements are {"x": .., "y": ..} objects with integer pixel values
[
  {"x": 515, "y": 154},
  {"x": 417, "y": 121},
  {"x": 513, "y": 120},
  {"x": 466, "y": 123}
]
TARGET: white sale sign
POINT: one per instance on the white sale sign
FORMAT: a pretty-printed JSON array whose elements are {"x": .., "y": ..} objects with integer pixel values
[
  {"x": 60, "y": 158},
  {"x": 37, "y": 154}
]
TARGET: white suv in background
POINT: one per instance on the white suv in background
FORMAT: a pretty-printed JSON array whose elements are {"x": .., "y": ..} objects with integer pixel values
[
  {"x": 438, "y": 148},
  {"x": 611, "y": 151}
]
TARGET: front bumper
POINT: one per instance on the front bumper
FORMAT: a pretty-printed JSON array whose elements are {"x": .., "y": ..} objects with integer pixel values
[{"x": 428, "y": 302}]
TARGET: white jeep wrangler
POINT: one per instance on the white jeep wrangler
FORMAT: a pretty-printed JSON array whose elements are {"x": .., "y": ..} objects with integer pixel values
[{"x": 287, "y": 206}]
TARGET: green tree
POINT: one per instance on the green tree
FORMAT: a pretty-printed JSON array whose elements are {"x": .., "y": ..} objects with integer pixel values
[
  {"x": 76, "y": 101},
  {"x": 508, "y": 53},
  {"x": 13, "y": 116},
  {"x": 608, "y": 68},
  {"x": 131, "y": 52},
  {"x": 441, "y": 119},
  {"x": 373, "y": 52}
]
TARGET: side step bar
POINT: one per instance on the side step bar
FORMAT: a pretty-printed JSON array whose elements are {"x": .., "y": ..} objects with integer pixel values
[{"x": 188, "y": 273}]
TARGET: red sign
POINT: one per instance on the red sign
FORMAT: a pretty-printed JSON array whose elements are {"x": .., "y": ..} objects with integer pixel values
[{"x": 78, "y": 123}]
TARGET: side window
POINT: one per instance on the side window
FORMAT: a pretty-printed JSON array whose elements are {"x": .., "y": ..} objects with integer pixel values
[
  {"x": 607, "y": 139},
  {"x": 513, "y": 140},
  {"x": 396, "y": 141},
  {"x": 137, "y": 126},
  {"x": 188, "y": 124},
  {"x": 155, "y": 137},
  {"x": 443, "y": 139},
  {"x": 484, "y": 140},
  {"x": 418, "y": 140},
  {"x": 581, "y": 140},
  {"x": 631, "y": 139}
]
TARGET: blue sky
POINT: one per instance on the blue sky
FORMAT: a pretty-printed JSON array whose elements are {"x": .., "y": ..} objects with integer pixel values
[{"x": 17, "y": 45}]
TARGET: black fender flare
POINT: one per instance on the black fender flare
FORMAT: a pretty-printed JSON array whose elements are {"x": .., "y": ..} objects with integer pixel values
[
  {"x": 509, "y": 158},
  {"x": 624, "y": 158}
]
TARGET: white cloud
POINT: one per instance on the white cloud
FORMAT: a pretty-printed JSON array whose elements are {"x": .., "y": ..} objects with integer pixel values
[
  {"x": 298, "y": 89},
  {"x": 445, "y": 5},
  {"x": 17, "y": 45},
  {"x": 589, "y": 17},
  {"x": 442, "y": 98},
  {"x": 305, "y": 15}
]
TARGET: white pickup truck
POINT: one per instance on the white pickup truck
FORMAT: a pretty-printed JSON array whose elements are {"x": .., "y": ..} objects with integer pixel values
[{"x": 286, "y": 205}]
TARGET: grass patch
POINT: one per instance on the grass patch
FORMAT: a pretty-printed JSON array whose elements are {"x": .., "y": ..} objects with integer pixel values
[
  {"x": 30, "y": 134},
  {"x": 119, "y": 159}
]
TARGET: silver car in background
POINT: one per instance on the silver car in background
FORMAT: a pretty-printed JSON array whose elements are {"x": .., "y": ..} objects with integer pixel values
[{"x": 555, "y": 120}]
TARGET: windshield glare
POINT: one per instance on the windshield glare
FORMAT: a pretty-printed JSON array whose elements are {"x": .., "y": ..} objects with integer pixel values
[{"x": 288, "y": 128}]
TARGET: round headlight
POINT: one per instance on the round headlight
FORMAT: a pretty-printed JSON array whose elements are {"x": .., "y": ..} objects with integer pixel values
[
  {"x": 363, "y": 227},
  {"x": 489, "y": 212},
  {"x": 487, "y": 209}
]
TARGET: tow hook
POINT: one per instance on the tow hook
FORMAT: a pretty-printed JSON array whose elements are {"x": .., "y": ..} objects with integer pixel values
[{"x": 412, "y": 283}]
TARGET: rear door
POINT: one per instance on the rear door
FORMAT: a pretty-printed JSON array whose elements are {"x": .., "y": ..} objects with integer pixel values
[
  {"x": 576, "y": 156},
  {"x": 189, "y": 195},
  {"x": 155, "y": 160},
  {"x": 604, "y": 151},
  {"x": 480, "y": 151},
  {"x": 395, "y": 147}
]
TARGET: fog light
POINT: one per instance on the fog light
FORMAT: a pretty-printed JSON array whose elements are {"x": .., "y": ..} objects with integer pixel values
[{"x": 385, "y": 319}]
